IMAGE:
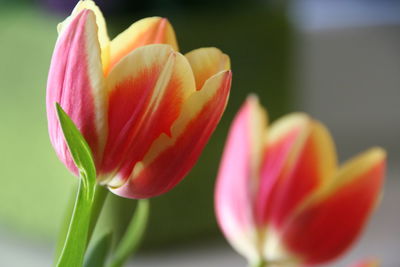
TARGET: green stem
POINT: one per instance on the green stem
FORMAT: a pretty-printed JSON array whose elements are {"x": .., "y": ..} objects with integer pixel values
[
  {"x": 97, "y": 255},
  {"x": 87, "y": 208},
  {"x": 133, "y": 235},
  {"x": 76, "y": 240},
  {"x": 100, "y": 196}
]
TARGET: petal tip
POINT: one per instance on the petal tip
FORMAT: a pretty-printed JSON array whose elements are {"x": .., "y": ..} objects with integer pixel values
[
  {"x": 297, "y": 121},
  {"x": 377, "y": 153},
  {"x": 252, "y": 98}
]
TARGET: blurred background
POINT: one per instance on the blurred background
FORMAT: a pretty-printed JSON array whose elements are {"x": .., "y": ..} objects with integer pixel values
[{"x": 337, "y": 60}]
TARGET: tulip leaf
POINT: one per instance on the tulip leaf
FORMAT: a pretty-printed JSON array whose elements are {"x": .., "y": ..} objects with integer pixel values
[
  {"x": 133, "y": 235},
  {"x": 79, "y": 149},
  {"x": 97, "y": 254},
  {"x": 77, "y": 236}
]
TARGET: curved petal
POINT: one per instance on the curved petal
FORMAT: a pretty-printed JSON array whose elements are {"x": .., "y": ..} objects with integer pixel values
[
  {"x": 146, "y": 92},
  {"x": 153, "y": 30},
  {"x": 172, "y": 156},
  {"x": 313, "y": 164},
  {"x": 102, "y": 34},
  {"x": 285, "y": 137},
  {"x": 75, "y": 81},
  {"x": 330, "y": 220},
  {"x": 206, "y": 62},
  {"x": 237, "y": 178}
]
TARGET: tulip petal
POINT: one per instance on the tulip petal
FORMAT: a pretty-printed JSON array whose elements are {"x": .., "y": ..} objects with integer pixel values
[
  {"x": 238, "y": 176},
  {"x": 285, "y": 138},
  {"x": 172, "y": 156},
  {"x": 206, "y": 62},
  {"x": 330, "y": 220},
  {"x": 146, "y": 92},
  {"x": 76, "y": 82},
  {"x": 153, "y": 30},
  {"x": 104, "y": 40},
  {"x": 313, "y": 164}
]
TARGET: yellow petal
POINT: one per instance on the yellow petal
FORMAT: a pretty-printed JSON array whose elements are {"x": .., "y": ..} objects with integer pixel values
[
  {"x": 102, "y": 34},
  {"x": 325, "y": 151},
  {"x": 257, "y": 130},
  {"x": 153, "y": 30},
  {"x": 353, "y": 169},
  {"x": 207, "y": 62}
]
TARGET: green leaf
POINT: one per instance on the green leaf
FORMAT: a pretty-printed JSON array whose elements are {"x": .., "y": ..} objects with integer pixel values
[
  {"x": 79, "y": 149},
  {"x": 133, "y": 235},
  {"x": 77, "y": 237},
  {"x": 97, "y": 255}
]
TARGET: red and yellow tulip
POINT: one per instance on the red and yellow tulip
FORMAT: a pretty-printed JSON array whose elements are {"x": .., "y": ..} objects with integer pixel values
[
  {"x": 145, "y": 110},
  {"x": 281, "y": 196}
]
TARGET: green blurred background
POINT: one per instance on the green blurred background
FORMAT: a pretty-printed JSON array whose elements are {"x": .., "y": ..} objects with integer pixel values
[{"x": 37, "y": 187}]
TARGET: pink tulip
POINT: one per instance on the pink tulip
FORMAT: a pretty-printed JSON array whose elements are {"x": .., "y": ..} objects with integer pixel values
[
  {"x": 146, "y": 110},
  {"x": 280, "y": 196}
]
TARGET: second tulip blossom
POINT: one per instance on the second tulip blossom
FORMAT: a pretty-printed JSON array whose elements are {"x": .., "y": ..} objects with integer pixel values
[
  {"x": 281, "y": 196},
  {"x": 145, "y": 110}
]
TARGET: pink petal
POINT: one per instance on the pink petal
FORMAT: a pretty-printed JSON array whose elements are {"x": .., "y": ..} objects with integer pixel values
[
  {"x": 237, "y": 177},
  {"x": 76, "y": 82}
]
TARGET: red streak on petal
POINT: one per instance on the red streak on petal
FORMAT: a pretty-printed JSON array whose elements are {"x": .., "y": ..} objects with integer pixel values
[
  {"x": 325, "y": 230},
  {"x": 171, "y": 165},
  {"x": 135, "y": 122},
  {"x": 300, "y": 182},
  {"x": 126, "y": 106},
  {"x": 154, "y": 124},
  {"x": 275, "y": 158}
]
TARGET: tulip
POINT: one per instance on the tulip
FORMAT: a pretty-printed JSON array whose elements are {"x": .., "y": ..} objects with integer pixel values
[
  {"x": 280, "y": 196},
  {"x": 145, "y": 110}
]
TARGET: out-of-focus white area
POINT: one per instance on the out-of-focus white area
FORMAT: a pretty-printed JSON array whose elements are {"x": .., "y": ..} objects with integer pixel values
[
  {"x": 348, "y": 76},
  {"x": 347, "y": 70},
  {"x": 314, "y": 15}
]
